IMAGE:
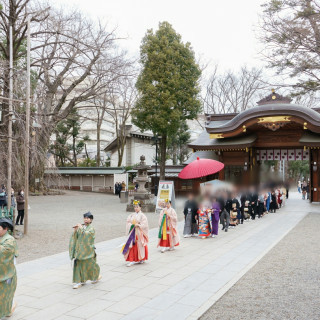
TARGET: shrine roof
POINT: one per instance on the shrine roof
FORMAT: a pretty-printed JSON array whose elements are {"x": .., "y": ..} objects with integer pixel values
[
  {"x": 249, "y": 116},
  {"x": 205, "y": 143},
  {"x": 84, "y": 170},
  {"x": 310, "y": 139},
  {"x": 202, "y": 154}
]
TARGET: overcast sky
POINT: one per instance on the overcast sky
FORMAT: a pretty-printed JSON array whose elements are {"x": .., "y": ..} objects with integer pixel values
[{"x": 220, "y": 31}]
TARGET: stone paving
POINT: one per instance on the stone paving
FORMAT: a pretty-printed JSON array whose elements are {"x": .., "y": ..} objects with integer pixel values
[
  {"x": 181, "y": 284},
  {"x": 51, "y": 218}
]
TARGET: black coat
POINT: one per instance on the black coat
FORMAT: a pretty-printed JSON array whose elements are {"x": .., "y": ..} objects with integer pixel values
[
  {"x": 244, "y": 198},
  {"x": 273, "y": 203},
  {"x": 228, "y": 205},
  {"x": 194, "y": 209},
  {"x": 222, "y": 204},
  {"x": 254, "y": 199}
]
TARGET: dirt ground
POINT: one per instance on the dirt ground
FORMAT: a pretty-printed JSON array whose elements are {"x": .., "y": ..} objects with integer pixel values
[{"x": 51, "y": 219}]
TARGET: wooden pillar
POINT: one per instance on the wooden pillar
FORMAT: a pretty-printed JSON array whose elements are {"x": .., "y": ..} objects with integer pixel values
[
  {"x": 314, "y": 174},
  {"x": 221, "y": 173},
  {"x": 246, "y": 169}
]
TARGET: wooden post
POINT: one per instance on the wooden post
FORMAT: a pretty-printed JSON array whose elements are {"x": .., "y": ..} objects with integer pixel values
[
  {"x": 314, "y": 181},
  {"x": 221, "y": 173}
]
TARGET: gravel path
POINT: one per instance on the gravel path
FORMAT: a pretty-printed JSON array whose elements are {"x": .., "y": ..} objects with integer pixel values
[
  {"x": 284, "y": 284},
  {"x": 52, "y": 217}
]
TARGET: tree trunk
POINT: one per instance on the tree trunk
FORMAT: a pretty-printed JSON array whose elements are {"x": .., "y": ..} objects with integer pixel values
[
  {"x": 86, "y": 151},
  {"x": 74, "y": 152},
  {"x": 163, "y": 154},
  {"x": 174, "y": 155},
  {"x": 122, "y": 139},
  {"x": 98, "y": 144},
  {"x": 120, "y": 157},
  {"x": 121, "y": 146}
]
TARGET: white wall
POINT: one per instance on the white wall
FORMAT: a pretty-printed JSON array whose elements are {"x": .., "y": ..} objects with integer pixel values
[
  {"x": 114, "y": 158},
  {"x": 141, "y": 147}
]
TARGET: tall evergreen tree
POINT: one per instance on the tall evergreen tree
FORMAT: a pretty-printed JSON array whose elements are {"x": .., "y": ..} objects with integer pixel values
[{"x": 168, "y": 86}]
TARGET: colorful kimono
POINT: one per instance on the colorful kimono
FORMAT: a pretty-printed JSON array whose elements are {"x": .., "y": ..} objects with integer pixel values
[
  {"x": 168, "y": 234},
  {"x": 215, "y": 218},
  {"x": 136, "y": 246},
  {"x": 204, "y": 223},
  {"x": 8, "y": 275},
  {"x": 82, "y": 250}
]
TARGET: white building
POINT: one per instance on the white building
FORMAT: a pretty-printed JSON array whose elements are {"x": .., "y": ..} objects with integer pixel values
[
  {"x": 89, "y": 120},
  {"x": 137, "y": 144}
]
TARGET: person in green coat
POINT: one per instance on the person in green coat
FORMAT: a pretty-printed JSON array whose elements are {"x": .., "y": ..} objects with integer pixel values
[
  {"x": 8, "y": 274},
  {"x": 82, "y": 252}
]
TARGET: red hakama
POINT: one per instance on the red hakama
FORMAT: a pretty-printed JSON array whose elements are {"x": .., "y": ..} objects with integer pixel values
[
  {"x": 166, "y": 243},
  {"x": 133, "y": 254}
]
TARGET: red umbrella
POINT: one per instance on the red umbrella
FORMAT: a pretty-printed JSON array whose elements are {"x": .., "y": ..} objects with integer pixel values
[{"x": 200, "y": 168}]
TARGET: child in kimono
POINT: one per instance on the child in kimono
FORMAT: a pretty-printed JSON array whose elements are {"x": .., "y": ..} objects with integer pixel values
[
  {"x": 82, "y": 251},
  {"x": 204, "y": 214},
  {"x": 8, "y": 274},
  {"x": 135, "y": 249},
  {"x": 168, "y": 233}
]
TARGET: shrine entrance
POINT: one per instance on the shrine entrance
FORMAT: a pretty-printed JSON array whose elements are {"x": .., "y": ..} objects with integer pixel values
[{"x": 275, "y": 132}]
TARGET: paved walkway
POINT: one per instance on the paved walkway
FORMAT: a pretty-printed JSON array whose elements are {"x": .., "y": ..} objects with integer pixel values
[
  {"x": 176, "y": 285},
  {"x": 287, "y": 277}
]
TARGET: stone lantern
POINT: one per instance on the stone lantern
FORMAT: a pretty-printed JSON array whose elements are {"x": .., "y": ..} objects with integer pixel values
[{"x": 142, "y": 194}]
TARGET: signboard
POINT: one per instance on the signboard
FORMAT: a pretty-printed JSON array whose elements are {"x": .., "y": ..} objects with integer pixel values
[{"x": 165, "y": 192}]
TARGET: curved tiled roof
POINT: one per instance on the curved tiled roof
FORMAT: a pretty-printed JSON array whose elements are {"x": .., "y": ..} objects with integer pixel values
[
  {"x": 205, "y": 143},
  {"x": 308, "y": 115}
]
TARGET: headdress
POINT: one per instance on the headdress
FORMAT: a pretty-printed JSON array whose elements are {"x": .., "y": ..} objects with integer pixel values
[
  {"x": 136, "y": 203},
  {"x": 88, "y": 215}
]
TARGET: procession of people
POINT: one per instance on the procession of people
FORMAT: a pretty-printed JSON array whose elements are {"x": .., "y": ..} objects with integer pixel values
[
  {"x": 202, "y": 216},
  {"x": 230, "y": 208}
]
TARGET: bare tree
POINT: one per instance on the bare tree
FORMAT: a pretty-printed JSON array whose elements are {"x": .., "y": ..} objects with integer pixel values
[
  {"x": 67, "y": 51},
  {"x": 103, "y": 107},
  {"x": 121, "y": 99},
  {"x": 233, "y": 92},
  {"x": 290, "y": 31}
]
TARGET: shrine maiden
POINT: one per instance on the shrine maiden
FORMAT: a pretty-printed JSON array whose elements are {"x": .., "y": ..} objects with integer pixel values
[
  {"x": 135, "y": 250},
  {"x": 168, "y": 233}
]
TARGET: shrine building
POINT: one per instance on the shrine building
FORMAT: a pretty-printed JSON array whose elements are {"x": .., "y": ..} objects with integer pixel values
[{"x": 275, "y": 129}]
